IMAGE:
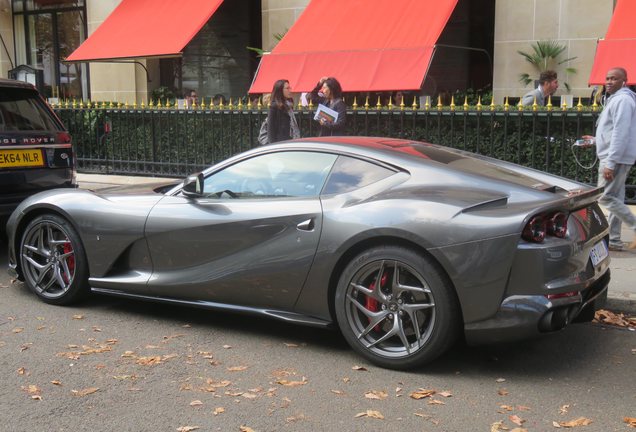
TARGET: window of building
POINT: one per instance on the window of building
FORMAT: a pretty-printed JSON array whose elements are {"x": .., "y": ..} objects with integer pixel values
[
  {"x": 45, "y": 33},
  {"x": 217, "y": 61}
]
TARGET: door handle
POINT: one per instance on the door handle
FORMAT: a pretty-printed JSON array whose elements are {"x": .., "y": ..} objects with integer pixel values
[{"x": 307, "y": 225}]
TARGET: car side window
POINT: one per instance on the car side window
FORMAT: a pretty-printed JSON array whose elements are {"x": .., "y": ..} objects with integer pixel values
[
  {"x": 281, "y": 174},
  {"x": 350, "y": 173}
]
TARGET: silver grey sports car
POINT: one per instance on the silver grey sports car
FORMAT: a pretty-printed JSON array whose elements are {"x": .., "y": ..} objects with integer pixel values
[{"x": 402, "y": 245}]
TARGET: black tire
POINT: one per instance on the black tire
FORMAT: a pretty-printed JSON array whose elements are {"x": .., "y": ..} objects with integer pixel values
[
  {"x": 412, "y": 319},
  {"x": 53, "y": 260}
]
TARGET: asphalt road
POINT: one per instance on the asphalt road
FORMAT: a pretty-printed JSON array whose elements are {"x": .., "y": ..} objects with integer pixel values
[{"x": 117, "y": 365}]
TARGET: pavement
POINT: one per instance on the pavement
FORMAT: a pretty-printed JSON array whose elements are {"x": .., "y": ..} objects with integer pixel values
[{"x": 622, "y": 290}]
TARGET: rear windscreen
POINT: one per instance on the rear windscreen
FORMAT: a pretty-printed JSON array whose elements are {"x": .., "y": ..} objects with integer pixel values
[{"x": 23, "y": 110}]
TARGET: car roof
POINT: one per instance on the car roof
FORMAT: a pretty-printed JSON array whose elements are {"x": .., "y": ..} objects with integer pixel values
[
  {"x": 17, "y": 84},
  {"x": 394, "y": 146}
]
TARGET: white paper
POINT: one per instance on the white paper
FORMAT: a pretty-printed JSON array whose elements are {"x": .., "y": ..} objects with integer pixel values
[{"x": 324, "y": 112}]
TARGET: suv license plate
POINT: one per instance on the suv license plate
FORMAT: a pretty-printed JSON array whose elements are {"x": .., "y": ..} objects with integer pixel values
[
  {"x": 598, "y": 253},
  {"x": 21, "y": 158}
]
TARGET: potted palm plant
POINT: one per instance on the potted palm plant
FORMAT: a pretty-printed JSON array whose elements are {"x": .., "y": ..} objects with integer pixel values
[{"x": 546, "y": 55}]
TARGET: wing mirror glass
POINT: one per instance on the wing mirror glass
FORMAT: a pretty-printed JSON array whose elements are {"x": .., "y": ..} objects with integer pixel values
[{"x": 193, "y": 185}]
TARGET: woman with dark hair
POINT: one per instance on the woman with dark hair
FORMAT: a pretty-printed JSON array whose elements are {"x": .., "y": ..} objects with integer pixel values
[
  {"x": 329, "y": 93},
  {"x": 281, "y": 122}
]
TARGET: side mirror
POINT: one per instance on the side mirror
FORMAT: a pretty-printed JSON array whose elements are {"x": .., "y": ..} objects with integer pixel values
[{"x": 193, "y": 185}]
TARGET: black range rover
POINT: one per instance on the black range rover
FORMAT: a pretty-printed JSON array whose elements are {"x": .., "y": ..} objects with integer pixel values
[{"x": 35, "y": 148}]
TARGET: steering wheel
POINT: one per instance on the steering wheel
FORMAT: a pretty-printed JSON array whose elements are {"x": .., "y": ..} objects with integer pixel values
[{"x": 254, "y": 187}]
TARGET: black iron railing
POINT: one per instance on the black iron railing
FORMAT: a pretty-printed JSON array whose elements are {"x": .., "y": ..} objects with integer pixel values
[{"x": 173, "y": 142}]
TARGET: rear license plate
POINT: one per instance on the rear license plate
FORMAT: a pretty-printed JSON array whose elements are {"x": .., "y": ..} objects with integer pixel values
[
  {"x": 21, "y": 158},
  {"x": 598, "y": 253}
]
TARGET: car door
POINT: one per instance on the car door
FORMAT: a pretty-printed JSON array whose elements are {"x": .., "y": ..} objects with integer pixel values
[{"x": 249, "y": 240}]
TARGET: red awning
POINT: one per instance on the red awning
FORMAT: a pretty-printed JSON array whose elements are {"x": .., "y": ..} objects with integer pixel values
[
  {"x": 618, "y": 49},
  {"x": 367, "y": 45},
  {"x": 146, "y": 28}
]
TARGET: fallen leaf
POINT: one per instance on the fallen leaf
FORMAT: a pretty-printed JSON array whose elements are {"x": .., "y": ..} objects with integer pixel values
[
  {"x": 237, "y": 368},
  {"x": 506, "y": 407},
  {"x": 288, "y": 383},
  {"x": 523, "y": 408},
  {"x": 445, "y": 394},
  {"x": 372, "y": 414},
  {"x": 436, "y": 402},
  {"x": 56, "y": 382},
  {"x": 338, "y": 392},
  {"x": 498, "y": 426},
  {"x": 227, "y": 347},
  {"x": 78, "y": 317},
  {"x": 246, "y": 429},
  {"x": 196, "y": 403},
  {"x": 218, "y": 410},
  {"x": 500, "y": 380},
  {"x": 359, "y": 368},
  {"x": 422, "y": 393},
  {"x": 519, "y": 430},
  {"x": 18, "y": 330},
  {"x": 84, "y": 392},
  {"x": 187, "y": 428},
  {"x": 619, "y": 320},
  {"x": 21, "y": 371},
  {"x": 149, "y": 361},
  {"x": 516, "y": 420},
  {"x": 32, "y": 389},
  {"x": 290, "y": 345},
  {"x": 581, "y": 421},
  {"x": 502, "y": 392},
  {"x": 556, "y": 424},
  {"x": 376, "y": 394},
  {"x": 293, "y": 419},
  {"x": 630, "y": 421}
]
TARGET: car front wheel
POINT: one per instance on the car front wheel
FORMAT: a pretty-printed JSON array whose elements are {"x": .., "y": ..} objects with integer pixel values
[
  {"x": 53, "y": 261},
  {"x": 396, "y": 308}
]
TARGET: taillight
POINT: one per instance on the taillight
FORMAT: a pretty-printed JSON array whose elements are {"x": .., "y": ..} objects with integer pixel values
[
  {"x": 535, "y": 230},
  {"x": 63, "y": 137},
  {"x": 554, "y": 224},
  {"x": 558, "y": 224}
]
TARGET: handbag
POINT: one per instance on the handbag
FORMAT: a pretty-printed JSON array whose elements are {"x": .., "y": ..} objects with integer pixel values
[{"x": 262, "y": 133}]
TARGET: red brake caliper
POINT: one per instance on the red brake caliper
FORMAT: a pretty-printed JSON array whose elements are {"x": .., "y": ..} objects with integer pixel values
[
  {"x": 371, "y": 303},
  {"x": 70, "y": 262}
]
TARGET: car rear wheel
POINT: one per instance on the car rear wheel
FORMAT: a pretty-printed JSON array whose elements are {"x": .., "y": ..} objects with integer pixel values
[
  {"x": 396, "y": 308},
  {"x": 53, "y": 261}
]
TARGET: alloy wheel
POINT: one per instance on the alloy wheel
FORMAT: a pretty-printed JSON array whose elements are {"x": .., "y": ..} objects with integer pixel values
[
  {"x": 390, "y": 308},
  {"x": 48, "y": 259}
]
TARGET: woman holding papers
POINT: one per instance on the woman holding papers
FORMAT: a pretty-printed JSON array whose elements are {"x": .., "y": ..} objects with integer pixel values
[
  {"x": 332, "y": 111},
  {"x": 281, "y": 121}
]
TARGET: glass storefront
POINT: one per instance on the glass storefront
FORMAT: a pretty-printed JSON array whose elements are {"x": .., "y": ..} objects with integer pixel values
[
  {"x": 217, "y": 61},
  {"x": 46, "y": 32}
]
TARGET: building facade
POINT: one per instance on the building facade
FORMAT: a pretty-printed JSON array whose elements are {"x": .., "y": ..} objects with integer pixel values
[{"x": 41, "y": 33}]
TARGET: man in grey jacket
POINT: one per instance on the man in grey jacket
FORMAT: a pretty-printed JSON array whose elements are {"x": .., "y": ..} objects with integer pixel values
[
  {"x": 616, "y": 150},
  {"x": 548, "y": 84}
]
